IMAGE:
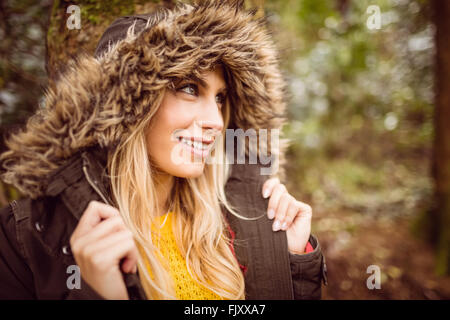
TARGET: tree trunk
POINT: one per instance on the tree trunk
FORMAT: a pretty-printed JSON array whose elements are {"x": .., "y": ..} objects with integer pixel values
[
  {"x": 64, "y": 44},
  {"x": 440, "y": 216}
]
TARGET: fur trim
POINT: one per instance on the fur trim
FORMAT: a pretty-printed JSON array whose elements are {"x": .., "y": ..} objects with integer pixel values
[{"x": 100, "y": 101}]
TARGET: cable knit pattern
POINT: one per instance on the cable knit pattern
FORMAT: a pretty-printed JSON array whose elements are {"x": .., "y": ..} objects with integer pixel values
[{"x": 186, "y": 287}]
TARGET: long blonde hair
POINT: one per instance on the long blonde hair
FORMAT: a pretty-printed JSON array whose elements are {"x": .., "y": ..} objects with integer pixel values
[{"x": 199, "y": 226}]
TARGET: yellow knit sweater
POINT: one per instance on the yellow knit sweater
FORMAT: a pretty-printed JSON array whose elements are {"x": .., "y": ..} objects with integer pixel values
[{"x": 186, "y": 287}]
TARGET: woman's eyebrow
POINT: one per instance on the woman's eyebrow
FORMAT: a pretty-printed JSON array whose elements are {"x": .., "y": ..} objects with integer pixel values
[{"x": 205, "y": 85}]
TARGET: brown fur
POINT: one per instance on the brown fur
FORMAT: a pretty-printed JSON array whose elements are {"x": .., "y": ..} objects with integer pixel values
[{"x": 100, "y": 101}]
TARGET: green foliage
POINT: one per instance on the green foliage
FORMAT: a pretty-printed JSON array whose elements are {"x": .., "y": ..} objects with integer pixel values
[{"x": 94, "y": 10}]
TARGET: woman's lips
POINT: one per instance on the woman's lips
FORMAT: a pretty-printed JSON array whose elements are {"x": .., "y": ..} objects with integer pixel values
[{"x": 197, "y": 151}]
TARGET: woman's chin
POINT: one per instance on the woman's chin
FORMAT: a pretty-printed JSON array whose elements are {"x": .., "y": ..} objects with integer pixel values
[{"x": 190, "y": 170}]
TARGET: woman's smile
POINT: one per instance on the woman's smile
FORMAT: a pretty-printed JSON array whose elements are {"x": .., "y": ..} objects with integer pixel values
[{"x": 197, "y": 146}]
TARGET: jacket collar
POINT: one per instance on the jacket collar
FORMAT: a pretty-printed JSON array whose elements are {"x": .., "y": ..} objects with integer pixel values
[
  {"x": 82, "y": 179},
  {"x": 54, "y": 216}
]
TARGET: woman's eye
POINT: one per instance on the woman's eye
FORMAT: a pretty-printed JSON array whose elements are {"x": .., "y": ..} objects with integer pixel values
[
  {"x": 192, "y": 89},
  {"x": 189, "y": 89}
]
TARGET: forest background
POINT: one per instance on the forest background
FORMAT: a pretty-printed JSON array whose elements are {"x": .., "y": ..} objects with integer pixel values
[{"x": 367, "y": 104}]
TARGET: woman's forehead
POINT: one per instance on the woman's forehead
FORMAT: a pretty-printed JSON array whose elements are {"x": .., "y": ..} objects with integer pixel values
[{"x": 216, "y": 75}]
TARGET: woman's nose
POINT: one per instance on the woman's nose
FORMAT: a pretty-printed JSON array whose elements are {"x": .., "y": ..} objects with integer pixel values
[{"x": 211, "y": 117}]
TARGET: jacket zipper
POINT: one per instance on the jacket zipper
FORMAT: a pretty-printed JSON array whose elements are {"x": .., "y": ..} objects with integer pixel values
[{"x": 93, "y": 185}]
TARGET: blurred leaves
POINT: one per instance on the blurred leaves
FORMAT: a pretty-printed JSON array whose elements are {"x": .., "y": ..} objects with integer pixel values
[
  {"x": 360, "y": 101},
  {"x": 22, "y": 58}
]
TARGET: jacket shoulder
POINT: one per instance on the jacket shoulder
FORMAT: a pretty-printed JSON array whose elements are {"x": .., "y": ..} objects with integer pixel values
[
  {"x": 16, "y": 281},
  {"x": 7, "y": 221},
  {"x": 11, "y": 216}
]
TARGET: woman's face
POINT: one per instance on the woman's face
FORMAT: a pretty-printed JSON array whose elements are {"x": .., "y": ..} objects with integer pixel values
[{"x": 182, "y": 132}]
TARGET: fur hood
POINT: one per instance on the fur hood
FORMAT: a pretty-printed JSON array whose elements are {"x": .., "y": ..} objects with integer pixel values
[{"x": 98, "y": 101}]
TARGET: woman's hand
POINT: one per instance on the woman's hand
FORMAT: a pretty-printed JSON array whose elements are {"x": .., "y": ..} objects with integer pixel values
[
  {"x": 99, "y": 243},
  {"x": 289, "y": 214}
]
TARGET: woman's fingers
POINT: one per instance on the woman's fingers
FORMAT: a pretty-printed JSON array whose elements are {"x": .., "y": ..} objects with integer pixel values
[
  {"x": 124, "y": 249},
  {"x": 305, "y": 210},
  {"x": 268, "y": 186},
  {"x": 296, "y": 210},
  {"x": 277, "y": 192},
  {"x": 101, "y": 230},
  {"x": 291, "y": 213},
  {"x": 281, "y": 211},
  {"x": 283, "y": 207},
  {"x": 93, "y": 215},
  {"x": 111, "y": 249}
]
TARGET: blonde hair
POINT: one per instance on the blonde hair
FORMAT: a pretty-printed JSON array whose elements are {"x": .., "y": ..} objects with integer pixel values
[{"x": 199, "y": 226}]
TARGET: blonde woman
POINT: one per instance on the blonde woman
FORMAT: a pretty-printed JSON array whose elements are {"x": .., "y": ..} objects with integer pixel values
[{"x": 131, "y": 190}]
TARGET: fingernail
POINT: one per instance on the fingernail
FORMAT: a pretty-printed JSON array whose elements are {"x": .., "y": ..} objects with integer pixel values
[
  {"x": 266, "y": 193},
  {"x": 284, "y": 226},
  {"x": 271, "y": 213},
  {"x": 276, "y": 225}
]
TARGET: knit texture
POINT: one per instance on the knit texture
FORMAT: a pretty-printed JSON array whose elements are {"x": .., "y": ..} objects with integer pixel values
[{"x": 186, "y": 287}]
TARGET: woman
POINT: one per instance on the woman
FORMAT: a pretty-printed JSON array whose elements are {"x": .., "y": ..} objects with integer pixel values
[{"x": 118, "y": 190}]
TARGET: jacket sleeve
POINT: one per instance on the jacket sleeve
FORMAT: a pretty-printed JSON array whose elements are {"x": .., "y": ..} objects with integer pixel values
[
  {"x": 16, "y": 279},
  {"x": 308, "y": 271}
]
